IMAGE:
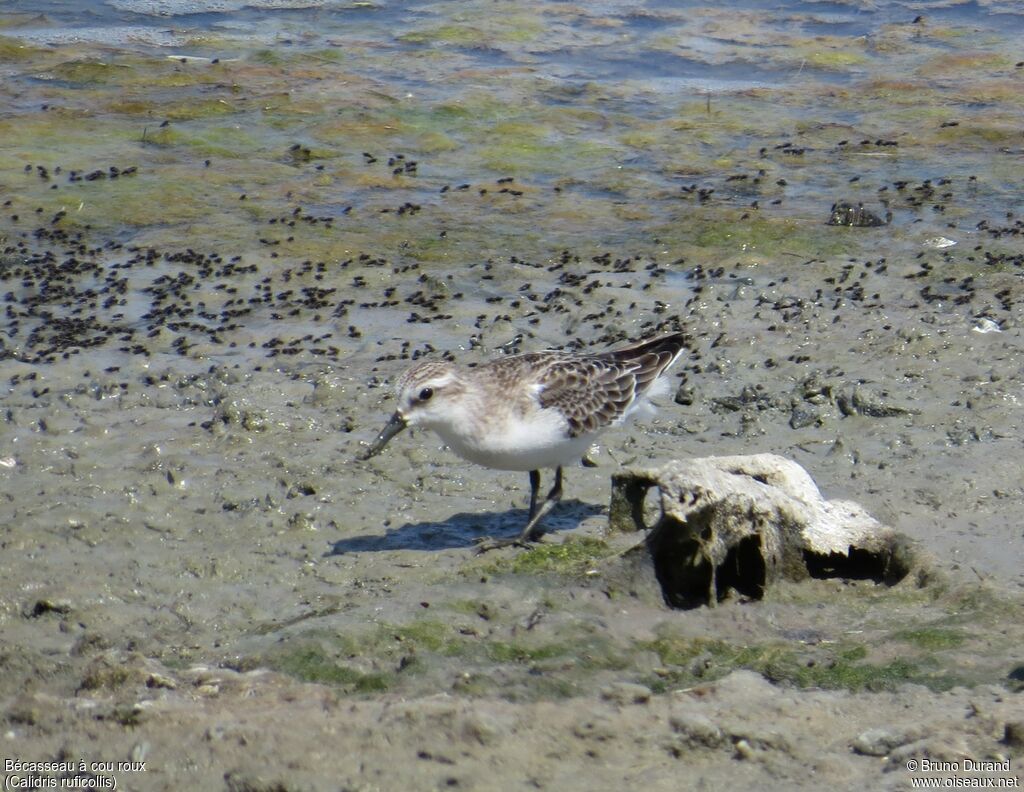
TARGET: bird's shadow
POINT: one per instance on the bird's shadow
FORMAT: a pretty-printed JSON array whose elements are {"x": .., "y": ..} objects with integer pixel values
[{"x": 464, "y": 529}]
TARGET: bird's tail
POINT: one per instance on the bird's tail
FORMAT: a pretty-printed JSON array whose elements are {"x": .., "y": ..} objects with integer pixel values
[{"x": 652, "y": 357}]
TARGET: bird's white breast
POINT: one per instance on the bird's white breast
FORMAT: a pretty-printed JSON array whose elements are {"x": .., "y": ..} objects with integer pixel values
[{"x": 505, "y": 440}]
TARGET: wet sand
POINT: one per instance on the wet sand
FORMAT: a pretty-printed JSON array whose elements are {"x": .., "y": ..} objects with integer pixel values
[{"x": 199, "y": 576}]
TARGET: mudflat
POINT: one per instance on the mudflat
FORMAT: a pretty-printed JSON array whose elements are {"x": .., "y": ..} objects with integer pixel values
[{"x": 214, "y": 266}]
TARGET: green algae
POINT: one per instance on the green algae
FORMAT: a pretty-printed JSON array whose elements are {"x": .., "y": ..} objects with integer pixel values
[
  {"x": 45, "y": 136},
  {"x": 429, "y": 634},
  {"x": 311, "y": 663},
  {"x": 138, "y": 74},
  {"x": 360, "y": 129},
  {"x": 90, "y": 72},
  {"x": 441, "y": 124},
  {"x": 459, "y": 35},
  {"x": 762, "y": 235},
  {"x": 389, "y": 656},
  {"x": 510, "y": 28},
  {"x": 327, "y": 55},
  {"x": 845, "y": 671},
  {"x": 525, "y": 148},
  {"x": 529, "y": 129},
  {"x": 191, "y": 109},
  {"x": 983, "y": 135},
  {"x": 957, "y": 63},
  {"x": 343, "y": 659},
  {"x": 572, "y": 557},
  {"x": 843, "y": 666},
  {"x": 140, "y": 203},
  {"x": 12, "y": 50},
  {"x": 505, "y": 652},
  {"x": 830, "y": 53},
  {"x": 835, "y": 59},
  {"x": 901, "y": 634},
  {"x": 219, "y": 141},
  {"x": 267, "y": 57},
  {"x": 579, "y": 651},
  {"x": 932, "y": 638},
  {"x": 541, "y": 130}
]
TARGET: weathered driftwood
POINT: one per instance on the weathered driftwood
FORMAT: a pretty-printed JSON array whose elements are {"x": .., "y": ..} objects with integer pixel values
[{"x": 739, "y": 523}]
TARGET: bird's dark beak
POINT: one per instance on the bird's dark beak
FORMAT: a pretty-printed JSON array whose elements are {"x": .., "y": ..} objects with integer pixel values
[{"x": 394, "y": 425}]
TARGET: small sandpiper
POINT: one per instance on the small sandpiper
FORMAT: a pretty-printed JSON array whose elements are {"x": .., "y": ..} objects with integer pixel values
[{"x": 530, "y": 411}]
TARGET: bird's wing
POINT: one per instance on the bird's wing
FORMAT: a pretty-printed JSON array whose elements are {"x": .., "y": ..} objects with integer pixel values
[{"x": 591, "y": 392}]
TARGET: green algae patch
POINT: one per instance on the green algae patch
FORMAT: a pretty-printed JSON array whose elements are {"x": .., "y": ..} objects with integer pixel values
[
  {"x": 959, "y": 64},
  {"x": 128, "y": 72},
  {"x": 422, "y": 635},
  {"x": 829, "y": 53},
  {"x": 140, "y": 204},
  {"x": 834, "y": 666},
  {"x": 981, "y": 133},
  {"x": 427, "y": 634},
  {"x": 767, "y": 235},
  {"x": 501, "y": 28},
  {"x": 364, "y": 662},
  {"x": 326, "y": 55},
  {"x": 311, "y": 663},
  {"x": 433, "y": 142},
  {"x": 523, "y": 147},
  {"x": 48, "y": 135},
  {"x": 360, "y": 130},
  {"x": 835, "y": 59},
  {"x": 529, "y": 664},
  {"x": 190, "y": 109},
  {"x": 459, "y": 35},
  {"x": 931, "y": 638},
  {"x": 89, "y": 72},
  {"x": 845, "y": 670},
  {"x": 267, "y": 57},
  {"x": 13, "y": 50},
  {"x": 677, "y": 650},
  {"x": 580, "y": 651},
  {"x": 519, "y": 652},
  {"x": 573, "y": 557},
  {"x": 145, "y": 121},
  {"x": 436, "y": 129}
]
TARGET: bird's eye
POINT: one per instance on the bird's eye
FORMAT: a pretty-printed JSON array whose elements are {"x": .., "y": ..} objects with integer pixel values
[{"x": 426, "y": 393}]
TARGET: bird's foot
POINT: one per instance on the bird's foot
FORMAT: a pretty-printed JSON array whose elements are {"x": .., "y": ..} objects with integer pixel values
[{"x": 485, "y": 543}]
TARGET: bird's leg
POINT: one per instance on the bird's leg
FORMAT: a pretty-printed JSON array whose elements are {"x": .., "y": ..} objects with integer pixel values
[
  {"x": 536, "y": 515},
  {"x": 553, "y": 497},
  {"x": 534, "y": 489}
]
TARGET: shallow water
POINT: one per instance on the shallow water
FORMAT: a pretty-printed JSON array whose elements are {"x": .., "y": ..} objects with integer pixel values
[{"x": 223, "y": 234}]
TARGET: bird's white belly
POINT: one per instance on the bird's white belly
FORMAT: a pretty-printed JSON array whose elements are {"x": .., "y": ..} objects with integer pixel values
[{"x": 541, "y": 442}]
